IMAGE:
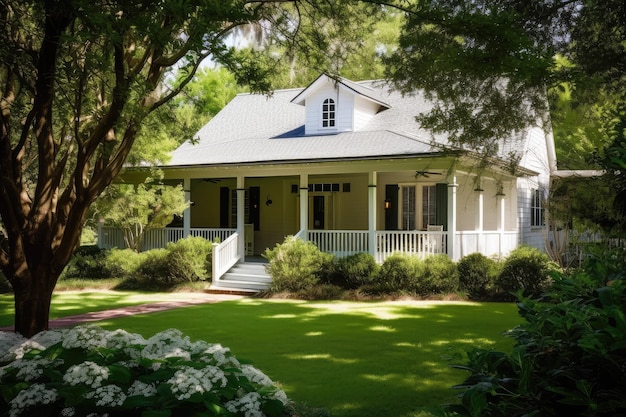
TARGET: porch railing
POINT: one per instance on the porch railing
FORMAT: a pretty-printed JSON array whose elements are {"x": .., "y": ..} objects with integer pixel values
[
  {"x": 414, "y": 242},
  {"x": 340, "y": 242},
  {"x": 111, "y": 237},
  {"x": 224, "y": 256},
  {"x": 489, "y": 243}
]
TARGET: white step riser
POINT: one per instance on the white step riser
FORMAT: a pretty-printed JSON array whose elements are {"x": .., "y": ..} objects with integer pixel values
[
  {"x": 248, "y": 270},
  {"x": 246, "y": 276},
  {"x": 243, "y": 285},
  {"x": 234, "y": 276}
]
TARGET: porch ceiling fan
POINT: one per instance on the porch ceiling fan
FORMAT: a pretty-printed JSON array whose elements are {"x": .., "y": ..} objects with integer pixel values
[
  {"x": 212, "y": 180},
  {"x": 425, "y": 174}
]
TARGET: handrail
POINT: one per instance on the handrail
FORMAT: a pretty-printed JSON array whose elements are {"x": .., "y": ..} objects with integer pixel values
[{"x": 224, "y": 256}]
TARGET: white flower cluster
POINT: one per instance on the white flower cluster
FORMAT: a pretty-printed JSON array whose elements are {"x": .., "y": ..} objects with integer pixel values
[
  {"x": 218, "y": 355},
  {"x": 87, "y": 373},
  {"x": 255, "y": 375},
  {"x": 31, "y": 369},
  {"x": 85, "y": 337},
  {"x": 68, "y": 412},
  {"x": 20, "y": 348},
  {"x": 33, "y": 395},
  {"x": 107, "y": 396},
  {"x": 248, "y": 404},
  {"x": 143, "y": 389},
  {"x": 167, "y": 344},
  {"x": 198, "y": 367},
  {"x": 188, "y": 381}
]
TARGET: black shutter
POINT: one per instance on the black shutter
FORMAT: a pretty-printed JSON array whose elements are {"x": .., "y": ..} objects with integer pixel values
[
  {"x": 441, "y": 196},
  {"x": 391, "y": 213},
  {"x": 224, "y": 205}
]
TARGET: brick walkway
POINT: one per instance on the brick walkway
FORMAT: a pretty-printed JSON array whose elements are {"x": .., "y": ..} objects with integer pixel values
[{"x": 199, "y": 298}]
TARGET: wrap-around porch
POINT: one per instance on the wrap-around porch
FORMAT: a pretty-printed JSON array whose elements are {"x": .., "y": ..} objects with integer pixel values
[{"x": 445, "y": 212}]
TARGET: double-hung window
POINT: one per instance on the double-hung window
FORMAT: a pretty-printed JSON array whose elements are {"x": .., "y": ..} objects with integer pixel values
[
  {"x": 537, "y": 216},
  {"x": 328, "y": 113}
]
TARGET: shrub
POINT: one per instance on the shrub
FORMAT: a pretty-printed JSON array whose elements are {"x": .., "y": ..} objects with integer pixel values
[
  {"x": 154, "y": 269},
  {"x": 527, "y": 270},
  {"x": 353, "y": 271},
  {"x": 181, "y": 262},
  {"x": 440, "y": 276},
  {"x": 89, "y": 371},
  {"x": 197, "y": 251},
  {"x": 477, "y": 275},
  {"x": 568, "y": 360},
  {"x": 123, "y": 263},
  {"x": 296, "y": 265},
  {"x": 399, "y": 273},
  {"x": 87, "y": 262}
]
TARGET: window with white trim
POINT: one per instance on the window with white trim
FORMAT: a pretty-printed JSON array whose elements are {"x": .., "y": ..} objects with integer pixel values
[
  {"x": 408, "y": 207},
  {"x": 328, "y": 113},
  {"x": 537, "y": 215},
  {"x": 429, "y": 205}
]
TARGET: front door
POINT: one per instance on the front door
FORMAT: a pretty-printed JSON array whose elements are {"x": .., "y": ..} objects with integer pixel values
[{"x": 318, "y": 212}]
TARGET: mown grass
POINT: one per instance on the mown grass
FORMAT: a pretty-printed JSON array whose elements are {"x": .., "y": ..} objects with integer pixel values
[
  {"x": 366, "y": 359},
  {"x": 69, "y": 303}
]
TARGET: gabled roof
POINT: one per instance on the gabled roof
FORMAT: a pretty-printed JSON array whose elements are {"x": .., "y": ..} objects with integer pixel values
[
  {"x": 254, "y": 129},
  {"x": 358, "y": 88}
]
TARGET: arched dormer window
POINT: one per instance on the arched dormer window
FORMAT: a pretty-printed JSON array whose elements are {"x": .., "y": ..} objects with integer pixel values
[{"x": 328, "y": 113}]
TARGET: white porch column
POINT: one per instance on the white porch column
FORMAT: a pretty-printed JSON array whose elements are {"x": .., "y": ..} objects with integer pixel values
[
  {"x": 480, "y": 217},
  {"x": 500, "y": 195},
  {"x": 241, "y": 205},
  {"x": 304, "y": 205},
  {"x": 452, "y": 186},
  {"x": 187, "y": 212},
  {"x": 371, "y": 210}
]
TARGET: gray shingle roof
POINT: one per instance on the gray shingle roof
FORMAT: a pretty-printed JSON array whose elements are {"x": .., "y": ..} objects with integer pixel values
[{"x": 256, "y": 128}]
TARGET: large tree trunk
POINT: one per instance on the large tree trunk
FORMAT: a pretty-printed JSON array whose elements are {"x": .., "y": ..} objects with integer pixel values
[{"x": 32, "y": 309}]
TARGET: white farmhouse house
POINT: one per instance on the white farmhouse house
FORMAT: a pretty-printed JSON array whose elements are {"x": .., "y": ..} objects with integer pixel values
[{"x": 345, "y": 165}]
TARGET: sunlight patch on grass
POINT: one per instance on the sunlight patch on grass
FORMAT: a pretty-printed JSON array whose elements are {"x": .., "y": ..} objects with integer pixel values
[
  {"x": 281, "y": 316},
  {"x": 408, "y": 344},
  {"x": 475, "y": 341},
  {"x": 383, "y": 329},
  {"x": 314, "y": 334},
  {"x": 381, "y": 311},
  {"x": 324, "y": 356}
]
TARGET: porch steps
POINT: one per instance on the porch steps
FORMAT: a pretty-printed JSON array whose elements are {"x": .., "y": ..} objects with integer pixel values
[{"x": 248, "y": 277}]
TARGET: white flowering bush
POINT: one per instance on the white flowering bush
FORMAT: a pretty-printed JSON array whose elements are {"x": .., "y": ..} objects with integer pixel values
[{"x": 89, "y": 371}]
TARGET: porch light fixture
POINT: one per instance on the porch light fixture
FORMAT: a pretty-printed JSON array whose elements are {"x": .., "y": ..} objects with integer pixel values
[
  {"x": 268, "y": 201},
  {"x": 387, "y": 204}
]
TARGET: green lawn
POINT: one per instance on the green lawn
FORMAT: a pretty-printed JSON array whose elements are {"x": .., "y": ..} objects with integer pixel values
[
  {"x": 69, "y": 303},
  {"x": 365, "y": 359},
  {"x": 378, "y": 359}
]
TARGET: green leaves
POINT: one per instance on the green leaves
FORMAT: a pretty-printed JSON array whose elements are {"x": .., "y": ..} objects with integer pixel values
[{"x": 568, "y": 358}]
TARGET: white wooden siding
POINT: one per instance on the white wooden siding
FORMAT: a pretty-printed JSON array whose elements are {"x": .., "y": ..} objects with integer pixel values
[{"x": 364, "y": 110}]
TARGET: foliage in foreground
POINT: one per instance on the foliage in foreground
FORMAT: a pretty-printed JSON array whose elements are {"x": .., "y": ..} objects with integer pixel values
[
  {"x": 569, "y": 358},
  {"x": 84, "y": 370}
]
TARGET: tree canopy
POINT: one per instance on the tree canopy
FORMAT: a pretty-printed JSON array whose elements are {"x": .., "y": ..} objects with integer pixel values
[
  {"x": 490, "y": 64},
  {"x": 77, "y": 80}
]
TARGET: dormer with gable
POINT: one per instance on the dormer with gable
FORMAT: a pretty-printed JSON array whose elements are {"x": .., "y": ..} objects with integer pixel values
[{"x": 335, "y": 105}]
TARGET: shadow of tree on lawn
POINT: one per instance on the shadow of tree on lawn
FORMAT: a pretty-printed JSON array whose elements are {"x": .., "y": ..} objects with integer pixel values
[{"x": 378, "y": 359}]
